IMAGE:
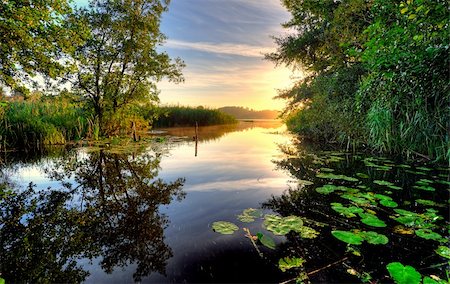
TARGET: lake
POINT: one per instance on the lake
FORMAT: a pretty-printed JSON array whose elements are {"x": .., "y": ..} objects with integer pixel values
[{"x": 146, "y": 211}]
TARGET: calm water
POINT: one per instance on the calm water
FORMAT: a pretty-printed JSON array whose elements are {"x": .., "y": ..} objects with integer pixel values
[{"x": 144, "y": 212}]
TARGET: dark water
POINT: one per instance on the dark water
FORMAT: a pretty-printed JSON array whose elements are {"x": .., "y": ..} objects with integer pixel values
[{"x": 144, "y": 212}]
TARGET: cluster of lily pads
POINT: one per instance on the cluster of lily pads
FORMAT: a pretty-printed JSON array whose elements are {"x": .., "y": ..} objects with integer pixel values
[{"x": 370, "y": 203}]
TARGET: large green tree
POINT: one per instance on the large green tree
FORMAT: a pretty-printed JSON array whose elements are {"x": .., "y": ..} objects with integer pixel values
[
  {"x": 120, "y": 63},
  {"x": 35, "y": 39}
]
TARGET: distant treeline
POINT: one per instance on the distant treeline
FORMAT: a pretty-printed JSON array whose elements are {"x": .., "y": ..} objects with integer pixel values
[
  {"x": 170, "y": 116},
  {"x": 246, "y": 113}
]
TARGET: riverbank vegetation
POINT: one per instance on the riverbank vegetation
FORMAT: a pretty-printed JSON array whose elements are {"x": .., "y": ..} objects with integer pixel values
[
  {"x": 105, "y": 54},
  {"x": 376, "y": 74},
  {"x": 188, "y": 116}
]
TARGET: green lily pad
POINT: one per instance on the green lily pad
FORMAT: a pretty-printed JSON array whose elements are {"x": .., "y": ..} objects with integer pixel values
[
  {"x": 428, "y": 234},
  {"x": 281, "y": 226},
  {"x": 429, "y": 280},
  {"x": 423, "y": 169},
  {"x": 443, "y": 251},
  {"x": 306, "y": 232},
  {"x": 427, "y": 202},
  {"x": 334, "y": 176},
  {"x": 266, "y": 240},
  {"x": 304, "y": 182},
  {"x": 424, "y": 187},
  {"x": 249, "y": 215},
  {"x": 326, "y": 189},
  {"x": 356, "y": 199},
  {"x": 394, "y": 187},
  {"x": 372, "y": 220},
  {"x": 383, "y": 182},
  {"x": 287, "y": 263},
  {"x": 348, "y": 212},
  {"x": 389, "y": 203},
  {"x": 374, "y": 238},
  {"x": 224, "y": 227},
  {"x": 403, "y": 274},
  {"x": 326, "y": 170},
  {"x": 361, "y": 175},
  {"x": 348, "y": 237}
]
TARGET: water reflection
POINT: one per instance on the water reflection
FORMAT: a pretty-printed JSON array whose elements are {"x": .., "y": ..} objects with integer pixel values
[{"x": 108, "y": 207}]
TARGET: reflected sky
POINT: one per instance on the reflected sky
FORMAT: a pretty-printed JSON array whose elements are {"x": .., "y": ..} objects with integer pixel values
[{"x": 232, "y": 171}]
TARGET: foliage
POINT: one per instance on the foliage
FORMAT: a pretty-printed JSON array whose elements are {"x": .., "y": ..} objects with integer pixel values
[
  {"x": 170, "y": 116},
  {"x": 286, "y": 263},
  {"x": 47, "y": 120},
  {"x": 266, "y": 240},
  {"x": 249, "y": 215},
  {"x": 119, "y": 64},
  {"x": 225, "y": 228},
  {"x": 376, "y": 74},
  {"x": 36, "y": 39},
  {"x": 403, "y": 274}
]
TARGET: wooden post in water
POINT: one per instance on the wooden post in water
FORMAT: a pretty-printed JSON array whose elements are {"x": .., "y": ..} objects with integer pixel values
[
  {"x": 133, "y": 130},
  {"x": 196, "y": 138}
]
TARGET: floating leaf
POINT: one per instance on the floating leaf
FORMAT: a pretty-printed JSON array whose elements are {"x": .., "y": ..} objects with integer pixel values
[
  {"x": 249, "y": 215},
  {"x": 348, "y": 212},
  {"x": 395, "y": 187},
  {"x": 281, "y": 226},
  {"x": 361, "y": 175},
  {"x": 307, "y": 232},
  {"x": 428, "y": 234},
  {"x": 403, "y": 274},
  {"x": 374, "y": 238},
  {"x": 224, "y": 227},
  {"x": 429, "y": 280},
  {"x": 443, "y": 251},
  {"x": 372, "y": 220},
  {"x": 429, "y": 203},
  {"x": 326, "y": 170},
  {"x": 389, "y": 203},
  {"x": 326, "y": 189},
  {"x": 287, "y": 263},
  {"x": 304, "y": 182},
  {"x": 348, "y": 237},
  {"x": 382, "y": 182},
  {"x": 356, "y": 199},
  {"x": 334, "y": 176},
  {"x": 425, "y": 187},
  {"x": 266, "y": 240},
  {"x": 423, "y": 169}
]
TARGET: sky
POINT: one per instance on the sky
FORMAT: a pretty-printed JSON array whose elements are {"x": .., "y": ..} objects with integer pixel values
[{"x": 222, "y": 43}]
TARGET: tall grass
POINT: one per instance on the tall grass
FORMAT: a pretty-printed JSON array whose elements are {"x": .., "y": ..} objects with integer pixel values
[
  {"x": 187, "y": 116},
  {"x": 49, "y": 120}
]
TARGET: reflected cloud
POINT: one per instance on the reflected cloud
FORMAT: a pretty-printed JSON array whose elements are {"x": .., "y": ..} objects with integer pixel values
[{"x": 240, "y": 184}]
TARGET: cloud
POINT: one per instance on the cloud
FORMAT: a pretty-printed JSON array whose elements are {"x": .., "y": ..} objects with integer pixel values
[{"x": 221, "y": 48}]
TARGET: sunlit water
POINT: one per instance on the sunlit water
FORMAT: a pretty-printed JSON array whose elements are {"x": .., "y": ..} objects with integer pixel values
[{"x": 145, "y": 212}]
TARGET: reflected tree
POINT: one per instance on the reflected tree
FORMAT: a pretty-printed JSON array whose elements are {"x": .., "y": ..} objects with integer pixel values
[{"x": 111, "y": 212}]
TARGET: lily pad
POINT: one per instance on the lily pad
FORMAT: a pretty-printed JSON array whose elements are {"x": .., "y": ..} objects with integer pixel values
[
  {"x": 362, "y": 175},
  {"x": 326, "y": 170},
  {"x": 334, "y": 176},
  {"x": 427, "y": 202},
  {"x": 374, "y": 238},
  {"x": 443, "y": 251},
  {"x": 348, "y": 212},
  {"x": 249, "y": 215},
  {"x": 383, "y": 182},
  {"x": 428, "y": 234},
  {"x": 403, "y": 274},
  {"x": 281, "y": 226},
  {"x": 389, "y": 203},
  {"x": 266, "y": 240},
  {"x": 287, "y": 263},
  {"x": 307, "y": 232},
  {"x": 348, "y": 237},
  {"x": 304, "y": 182},
  {"x": 372, "y": 220},
  {"x": 224, "y": 227},
  {"x": 425, "y": 187},
  {"x": 326, "y": 189}
]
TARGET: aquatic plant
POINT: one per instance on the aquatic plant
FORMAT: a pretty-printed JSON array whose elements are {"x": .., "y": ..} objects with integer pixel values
[{"x": 225, "y": 228}]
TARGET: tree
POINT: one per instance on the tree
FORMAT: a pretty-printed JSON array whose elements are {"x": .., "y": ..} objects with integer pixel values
[
  {"x": 119, "y": 64},
  {"x": 35, "y": 40}
]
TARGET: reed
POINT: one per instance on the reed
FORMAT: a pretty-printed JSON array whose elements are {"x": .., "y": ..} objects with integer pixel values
[{"x": 188, "y": 116}]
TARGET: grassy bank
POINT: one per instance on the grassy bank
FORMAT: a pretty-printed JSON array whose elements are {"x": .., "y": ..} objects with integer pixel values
[
  {"x": 187, "y": 116},
  {"x": 46, "y": 121}
]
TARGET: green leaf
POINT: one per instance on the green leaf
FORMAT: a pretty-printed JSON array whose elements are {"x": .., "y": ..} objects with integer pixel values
[
  {"x": 429, "y": 280},
  {"x": 443, "y": 251},
  {"x": 372, "y": 220},
  {"x": 326, "y": 189},
  {"x": 249, "y": 215},
  {"x": 428, "y": 234},
  {"x": 389, "y": 203},
  {"x": 403, "y": 274},
  {"x": 334, "y": 176},
  {"x": 348, "y": 237},
  {"x": 374, "y": 238},
  {"x": 287, "y": 263},
  {"x": 224, "y": 227},
  {"x": 383, "y": 182},
  {"x": 307, "y": 232},
  {"x": 2, "y": 281},
  {"x": 424, "y": 187},
  {"x": 281, "y": 226},
  {"x": 266, "y": 240}
]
